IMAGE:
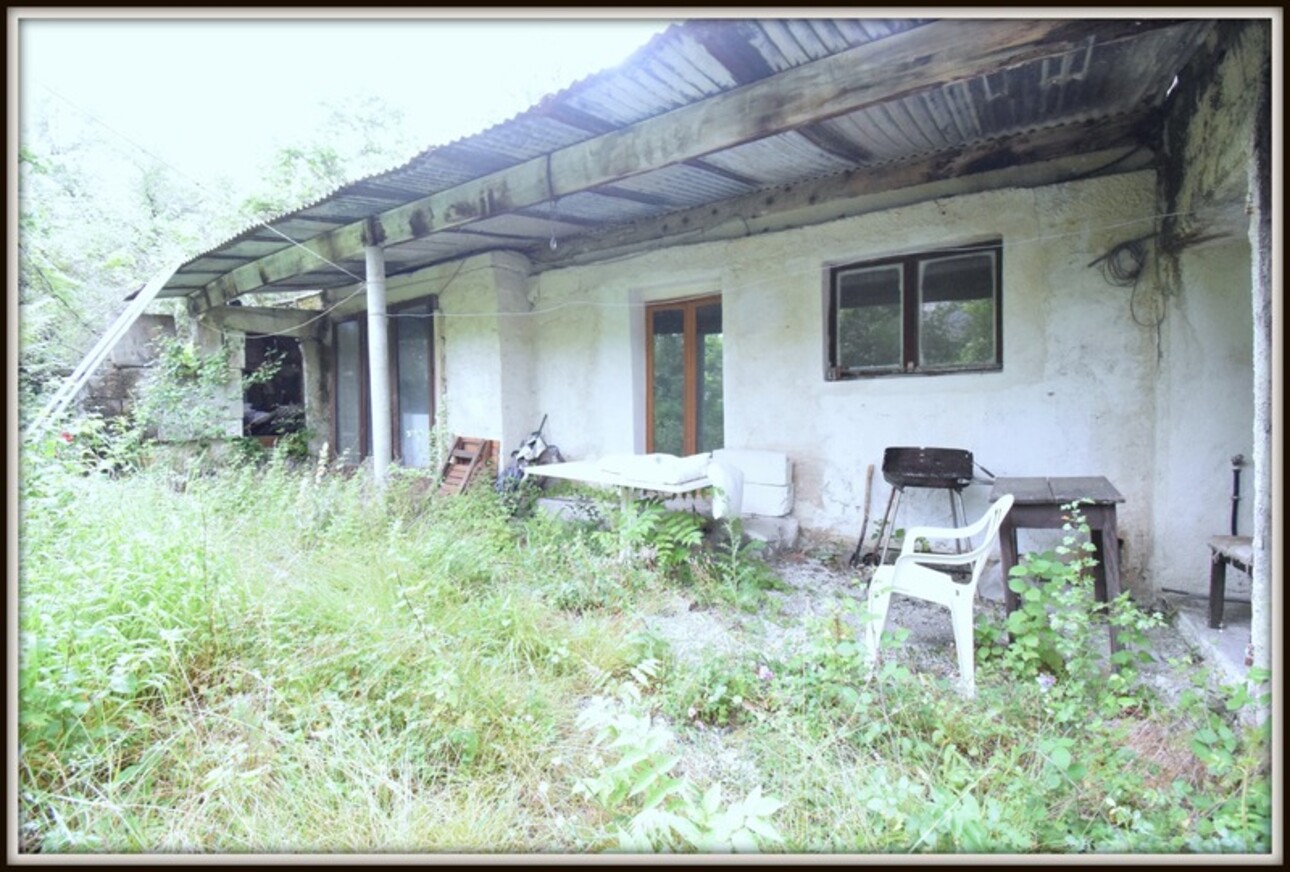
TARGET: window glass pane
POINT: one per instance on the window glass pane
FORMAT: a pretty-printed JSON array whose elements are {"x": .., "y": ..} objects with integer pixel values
[
  {"x": 957, "y": 320},
  {"x": 708, "y": 360},
  {"x": 349, "y": 374},
  {"x": 668, "y": 387},
  {"x": 869, "y": 319},
  {"x": 414, "y": 348}
]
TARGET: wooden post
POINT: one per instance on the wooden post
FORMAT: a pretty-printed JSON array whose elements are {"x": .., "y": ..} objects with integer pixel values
[{"x": 378, "y": 358}]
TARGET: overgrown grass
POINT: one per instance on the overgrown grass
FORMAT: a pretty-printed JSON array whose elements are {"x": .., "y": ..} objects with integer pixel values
[{"x": 268, "y": 659}]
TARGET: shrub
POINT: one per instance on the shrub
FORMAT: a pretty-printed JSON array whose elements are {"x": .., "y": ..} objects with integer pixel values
[{"x": 1055, "y": 637}]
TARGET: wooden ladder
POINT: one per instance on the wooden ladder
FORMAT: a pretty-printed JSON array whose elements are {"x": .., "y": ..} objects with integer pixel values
[{"x": 467, "y": 457}]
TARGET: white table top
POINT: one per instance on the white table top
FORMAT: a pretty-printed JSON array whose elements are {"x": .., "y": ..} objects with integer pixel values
[{"x": 589, "y": 472}]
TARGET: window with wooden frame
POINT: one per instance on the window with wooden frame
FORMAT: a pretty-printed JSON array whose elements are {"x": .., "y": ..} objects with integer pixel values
[
  {"x": 411, "y": 342},
  {"x": 933, "y": 312},
  {"x": 684, "y": 413}
]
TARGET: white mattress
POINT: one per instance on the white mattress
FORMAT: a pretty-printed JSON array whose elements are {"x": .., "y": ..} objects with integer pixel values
[{"x": 663, "y": 469}]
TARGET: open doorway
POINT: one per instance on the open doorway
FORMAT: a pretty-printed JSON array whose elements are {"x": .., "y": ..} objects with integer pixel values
[{"x": 273, "y": 403}]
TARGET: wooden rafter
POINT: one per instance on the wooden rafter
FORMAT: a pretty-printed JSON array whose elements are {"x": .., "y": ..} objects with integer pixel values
[
  {"x": 885, "y": 69},
  {"x": 834, "y": 197}
]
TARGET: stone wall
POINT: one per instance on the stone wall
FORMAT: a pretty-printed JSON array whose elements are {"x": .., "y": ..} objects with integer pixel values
[{"x": 110, "y": 392}]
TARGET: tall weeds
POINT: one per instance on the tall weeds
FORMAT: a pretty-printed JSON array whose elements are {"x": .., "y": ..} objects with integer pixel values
[{"x": 243, "y": 658}]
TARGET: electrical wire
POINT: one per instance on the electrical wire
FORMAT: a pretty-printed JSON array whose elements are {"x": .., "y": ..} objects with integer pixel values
[{"x": 1122, "y": 265}]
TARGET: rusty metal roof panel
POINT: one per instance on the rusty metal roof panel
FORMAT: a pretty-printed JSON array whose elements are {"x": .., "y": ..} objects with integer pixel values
[
  {"x": 528, "y": 227},
  {"x": 251, "y": 249},
  {"x": 590, "y": 206},
  {"x": 344, "y": 209},
  {"x": 1097, "y": 81},
  {"x": 779, "y": 160},
  {"x": 699, "y": 59},
  {"x": 680, "y": 71},
  {"x": 681, "y": 186},
  {"x": 296, "y": 228},
  {"x": 528, "y": 137}
]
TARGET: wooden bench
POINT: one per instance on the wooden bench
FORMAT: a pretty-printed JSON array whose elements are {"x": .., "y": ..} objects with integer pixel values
[{"x": 1236, "y": 550}]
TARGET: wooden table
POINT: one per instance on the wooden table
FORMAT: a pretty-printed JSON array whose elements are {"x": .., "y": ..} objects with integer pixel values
[{"x": 1038, "y": 503}]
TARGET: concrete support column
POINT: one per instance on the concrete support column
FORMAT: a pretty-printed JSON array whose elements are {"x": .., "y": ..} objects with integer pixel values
[
  {"x": 378, "y": 358},
  {"x": 315, "y": 393},
  {"x": 227, "y": 410},
  {"x": 1260, "y": 230},
  {"x": 516, "y": 413}
]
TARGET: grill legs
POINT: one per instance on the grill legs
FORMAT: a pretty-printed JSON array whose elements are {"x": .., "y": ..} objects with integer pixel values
[{"x": 893, "y": 509}]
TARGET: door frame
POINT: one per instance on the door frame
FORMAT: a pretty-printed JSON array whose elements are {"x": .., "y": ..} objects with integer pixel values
[
  {"x": 365, "y": 375},
  {"x": 690, "y": 392}
]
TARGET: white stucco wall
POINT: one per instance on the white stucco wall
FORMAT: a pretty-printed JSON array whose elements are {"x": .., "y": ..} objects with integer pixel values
[
  {"x": 1081, "y": 391},
  {"x": 1207, "y": 394},
  {"x": 482, "y": 355},
  {"x": 1078, "y": 393},
  {"x": 1206, "y": 398}
]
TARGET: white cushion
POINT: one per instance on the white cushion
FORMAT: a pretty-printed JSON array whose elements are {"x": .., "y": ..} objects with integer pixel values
[
  {"x": 769, "y": 501},
  {"x": 727, "y": 490},
  {"x": 758, "y": 467}
]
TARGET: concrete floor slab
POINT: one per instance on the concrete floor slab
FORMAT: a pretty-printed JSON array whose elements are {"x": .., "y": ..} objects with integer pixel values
[{"x": 1225, "y": 647}]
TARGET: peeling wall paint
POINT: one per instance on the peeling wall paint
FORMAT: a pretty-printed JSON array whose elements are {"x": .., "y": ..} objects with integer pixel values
[
  {"x": 1206, "y": 139},
  {"x": 1082, "y": 390},
  {"x": 1076, "y": 395},
  {"x": 1206, "y": 410}
]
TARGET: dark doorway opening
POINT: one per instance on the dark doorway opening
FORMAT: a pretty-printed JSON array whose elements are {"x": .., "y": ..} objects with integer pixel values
[{"x": 273, "y": 404}]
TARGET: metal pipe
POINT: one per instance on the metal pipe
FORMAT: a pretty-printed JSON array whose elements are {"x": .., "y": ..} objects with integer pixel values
[
  {"x": 1237, "y": 461},
  {"x": 378, "y": 359}
]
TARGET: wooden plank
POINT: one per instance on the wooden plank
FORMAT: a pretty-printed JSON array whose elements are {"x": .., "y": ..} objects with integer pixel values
[
  {"x": 1067, "y": 489},
  {"x": 886, "y": 69},
  {"x": 1025, "y": 491},
  {"x": 466, "y": 458},
  {"x": 1238, "y": 549}
]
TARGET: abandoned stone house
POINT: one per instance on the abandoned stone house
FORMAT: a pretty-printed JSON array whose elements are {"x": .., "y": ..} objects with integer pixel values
[{"x": 1046, "y": 241}]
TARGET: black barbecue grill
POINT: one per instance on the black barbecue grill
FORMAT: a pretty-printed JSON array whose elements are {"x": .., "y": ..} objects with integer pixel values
[{"x": 941, "y": 468}]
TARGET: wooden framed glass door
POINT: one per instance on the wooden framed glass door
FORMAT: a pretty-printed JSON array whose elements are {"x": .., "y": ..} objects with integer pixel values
[
  {"x": 684, "y": 413},
  {"x": 411, "y": 386}
]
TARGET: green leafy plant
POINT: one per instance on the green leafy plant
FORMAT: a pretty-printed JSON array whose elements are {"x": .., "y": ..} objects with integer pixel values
[
  {"x": 1056, "y": 639},
  {"x": 183, "y": 397},
  {"x": 646, "y": 531},
  {"x": 294, "y": 445},
  {"x": 653, "y": 809},
  {"x": 721, "y": 691},
  {"x": 832, "y": 674},
  {"x": 737, "y": 569}
]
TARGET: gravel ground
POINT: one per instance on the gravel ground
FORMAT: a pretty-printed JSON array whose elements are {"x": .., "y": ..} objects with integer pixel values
[
  {"x": 818, "y": 584},
  {"x": 818, "y": 588}
]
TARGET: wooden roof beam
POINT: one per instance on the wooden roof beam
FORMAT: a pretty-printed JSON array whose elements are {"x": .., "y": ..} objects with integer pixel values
[
  {"x": 885, "y": 69},
  {"x": 1044, "y": 157},
  {"x": 296, "y": 323}
]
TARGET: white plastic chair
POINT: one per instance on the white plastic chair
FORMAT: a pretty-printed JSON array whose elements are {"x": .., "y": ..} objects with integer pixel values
[{"x": 910, "y": 575}]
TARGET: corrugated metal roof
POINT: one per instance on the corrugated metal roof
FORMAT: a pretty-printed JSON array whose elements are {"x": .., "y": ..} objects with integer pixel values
[{"x": 689, "y": 63}]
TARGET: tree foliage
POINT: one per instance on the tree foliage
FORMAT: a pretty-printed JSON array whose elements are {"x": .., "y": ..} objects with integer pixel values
[{"x": 99, "y": 216}]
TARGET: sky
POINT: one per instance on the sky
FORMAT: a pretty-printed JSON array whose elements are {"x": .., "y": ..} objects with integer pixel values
[{"x": 215, "y": 98}]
